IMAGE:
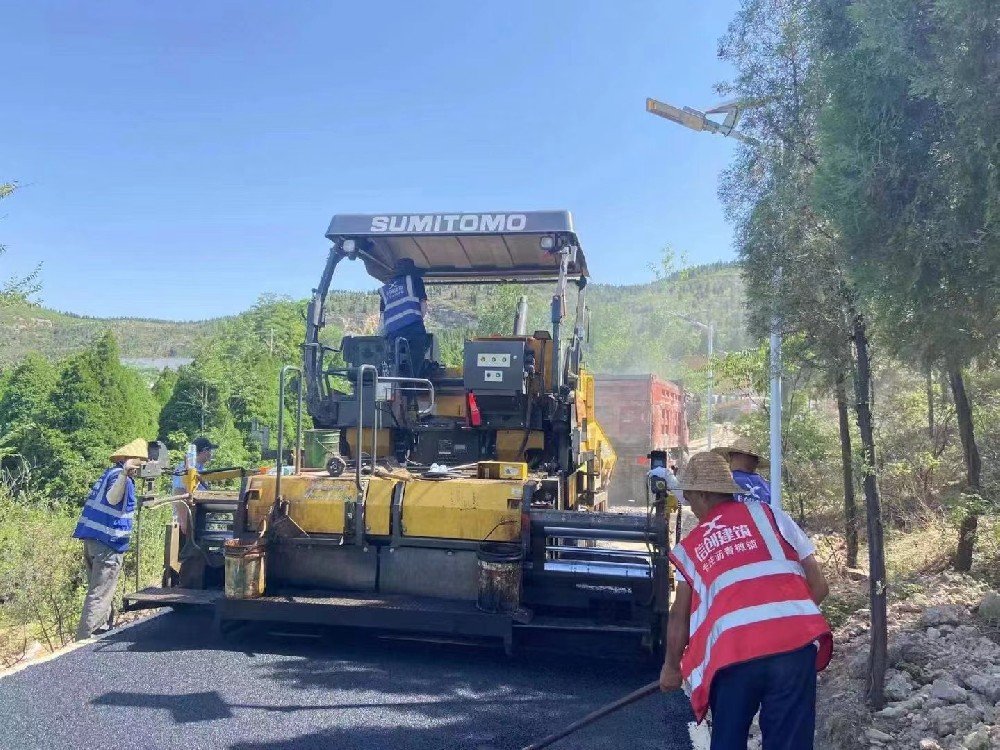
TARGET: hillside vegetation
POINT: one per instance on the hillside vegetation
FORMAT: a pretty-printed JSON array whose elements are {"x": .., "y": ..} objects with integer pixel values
[
  {"x": 54, "y": 335},
  {"x": 631, "y": 326}
]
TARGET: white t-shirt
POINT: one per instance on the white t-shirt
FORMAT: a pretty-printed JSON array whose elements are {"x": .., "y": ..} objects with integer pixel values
[{"x": 795, "y": 536}]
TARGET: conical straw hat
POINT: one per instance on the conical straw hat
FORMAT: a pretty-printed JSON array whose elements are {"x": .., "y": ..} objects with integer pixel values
[
  {"x": 138, "y": 448},
  {"x": 708, "y": 472},
  {"x": 743, "y": 445}
]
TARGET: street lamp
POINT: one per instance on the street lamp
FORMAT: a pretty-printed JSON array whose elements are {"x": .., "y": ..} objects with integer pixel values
[
  {"x": 696, "y": 120},
  {"x": 709, "y": 328}
]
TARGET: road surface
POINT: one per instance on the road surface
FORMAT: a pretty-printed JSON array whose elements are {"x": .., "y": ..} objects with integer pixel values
[{"x": 170, "y": 682}]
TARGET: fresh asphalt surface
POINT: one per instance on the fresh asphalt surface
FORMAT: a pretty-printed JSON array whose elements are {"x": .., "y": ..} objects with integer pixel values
[{"x": 172, "y": 682}]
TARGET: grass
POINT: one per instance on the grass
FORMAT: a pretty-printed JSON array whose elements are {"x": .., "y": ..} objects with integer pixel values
[
  {"x": 925, "y": 549},
  {"x": 42, "y": 576}
]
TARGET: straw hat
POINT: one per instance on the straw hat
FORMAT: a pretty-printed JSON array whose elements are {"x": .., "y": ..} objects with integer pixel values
[
  {"x": 138, "y": 448},
  {"x": 708, "y": 472},
  {"x": 743, "y": 445}
]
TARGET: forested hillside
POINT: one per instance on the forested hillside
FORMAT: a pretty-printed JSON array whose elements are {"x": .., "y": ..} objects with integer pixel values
[{"x": 632, "y": 328}]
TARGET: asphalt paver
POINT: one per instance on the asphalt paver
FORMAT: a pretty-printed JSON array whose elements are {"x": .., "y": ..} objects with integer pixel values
[{"x": 172, "y": 682}]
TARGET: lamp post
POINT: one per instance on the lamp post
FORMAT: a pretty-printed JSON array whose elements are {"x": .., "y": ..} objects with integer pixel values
[
  {"x": 699, "y": 121},
  {"x": 709, "y": 328}
]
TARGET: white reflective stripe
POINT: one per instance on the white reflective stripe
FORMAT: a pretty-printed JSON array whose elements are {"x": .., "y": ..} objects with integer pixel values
[
  {"x": 766, "y": 530},
  {"x": 110, "y": 510},
  {"x": 409, "y": 298},
  {"x": 749, "y": 616},
  {"x": 404, "y": 314},
  {"x": 413, "y": 301},
  {"x": 95, "y": 503},
  {"x": 688, "y": 566},
  {"x": 738, "y": 575},
  {"x": 103, "y": 529}
]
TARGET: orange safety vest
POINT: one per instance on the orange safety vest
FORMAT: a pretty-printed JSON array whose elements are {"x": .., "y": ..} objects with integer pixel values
[{"x": 749, "y": 596}]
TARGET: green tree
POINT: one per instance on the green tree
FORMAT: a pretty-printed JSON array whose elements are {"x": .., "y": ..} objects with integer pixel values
[
  {"x": 911, "y": 183},
  {"x": 99, "y": 404},
  {"x": 797, "y": 265},
  {"x": 496, "y": 310},
  {"x": 24, "y": 398},
  {"x": 163, "y": 386}
]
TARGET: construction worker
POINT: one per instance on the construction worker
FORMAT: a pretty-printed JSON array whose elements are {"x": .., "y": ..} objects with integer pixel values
[
  {"x": 105, "y": 526},
  {"x": 403, "y": 307},
  {"x": 745, "y": 630},
  {"x": 744, "y": 460},
  {"x": 203, "y": 454}
]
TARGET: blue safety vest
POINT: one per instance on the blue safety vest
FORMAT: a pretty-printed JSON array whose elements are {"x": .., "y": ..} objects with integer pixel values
[
  {"x": 754, "y": 485},
  {"x": 402, "y": 307},
  {"x": 107, "y": 523}
]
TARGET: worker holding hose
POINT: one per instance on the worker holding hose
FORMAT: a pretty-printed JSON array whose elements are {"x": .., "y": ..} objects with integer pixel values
[
  {"x": 105, "y": 527},
  {"x": 745, "y": 630}
]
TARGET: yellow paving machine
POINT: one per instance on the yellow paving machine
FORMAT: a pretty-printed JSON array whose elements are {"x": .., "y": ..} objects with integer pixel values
[{"x": 461, "y": 501}]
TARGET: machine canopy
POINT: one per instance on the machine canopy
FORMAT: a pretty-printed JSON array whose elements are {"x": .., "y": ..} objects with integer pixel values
[{"x": 463, "y": 248}]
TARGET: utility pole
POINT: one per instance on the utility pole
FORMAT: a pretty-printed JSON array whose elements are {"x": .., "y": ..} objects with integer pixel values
[{"x": 699, "y": 121}]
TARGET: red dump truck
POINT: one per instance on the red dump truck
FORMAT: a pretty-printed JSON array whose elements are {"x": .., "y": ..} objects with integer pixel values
[{"x": 639, "y": 413}]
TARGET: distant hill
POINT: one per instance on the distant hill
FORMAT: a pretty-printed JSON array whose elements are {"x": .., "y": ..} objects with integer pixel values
[
  {"x": 55, "y": 334},
  {"x": 632, "y": 328}
]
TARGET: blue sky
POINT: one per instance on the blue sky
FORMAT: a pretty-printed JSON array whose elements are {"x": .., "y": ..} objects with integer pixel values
[{"x": 179, "y": 159}]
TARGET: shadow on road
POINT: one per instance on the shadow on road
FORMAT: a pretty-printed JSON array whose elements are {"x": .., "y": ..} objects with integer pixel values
[{"x": 351, "y": 689}]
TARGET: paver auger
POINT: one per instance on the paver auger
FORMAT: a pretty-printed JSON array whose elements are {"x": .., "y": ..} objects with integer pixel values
[{"x": 514, "y": 536}]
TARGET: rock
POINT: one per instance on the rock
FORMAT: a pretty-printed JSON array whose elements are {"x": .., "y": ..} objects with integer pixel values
[
  {"x": 898, "y": 686},
  {"x": 893, "y": 711},
  {"x": 977, "y": 740},
  {"x": 877, "y": 735},
  {"x": 987, "y": 686},
  {"x": 948, "y": 691},
  {"x": 933, "y": 633},
  {"x": 857, "y": 664},
  {"x": 929, "y": 744},
  {"x": 951, "y": 719},
  {"x": 989, "y": 609},
  {"x": 944, "y": 614}
]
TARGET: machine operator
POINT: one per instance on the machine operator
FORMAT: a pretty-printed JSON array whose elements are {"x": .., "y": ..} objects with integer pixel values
[{"x": 403, "y": 305}]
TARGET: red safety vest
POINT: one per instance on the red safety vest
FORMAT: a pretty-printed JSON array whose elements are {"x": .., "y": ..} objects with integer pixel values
[{"x": 749, "y": 596}]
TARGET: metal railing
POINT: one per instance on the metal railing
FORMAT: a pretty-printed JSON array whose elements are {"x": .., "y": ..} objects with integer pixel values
[
  {"x": 281, "y": 427},
  {"x": 403, "y": 385}
]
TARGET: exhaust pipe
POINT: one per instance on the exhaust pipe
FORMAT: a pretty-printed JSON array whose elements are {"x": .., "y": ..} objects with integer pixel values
[{"x": 521, "y": 317}]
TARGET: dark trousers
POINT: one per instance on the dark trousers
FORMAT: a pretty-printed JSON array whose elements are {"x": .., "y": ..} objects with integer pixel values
[
  {"x": 782, "y": 687},
  {"x": 417, "y": 340}
]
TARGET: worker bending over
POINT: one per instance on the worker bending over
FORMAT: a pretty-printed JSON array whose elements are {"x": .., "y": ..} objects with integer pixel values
[
  {"x": 745, "y": 629},
  {"x": 105, "y": 526},
  {"x": 403, "y": 305},
  {"x": 744, "y": 460}
]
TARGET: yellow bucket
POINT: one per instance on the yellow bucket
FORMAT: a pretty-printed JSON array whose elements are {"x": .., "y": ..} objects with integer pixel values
[{"x": 244, "y": 569}]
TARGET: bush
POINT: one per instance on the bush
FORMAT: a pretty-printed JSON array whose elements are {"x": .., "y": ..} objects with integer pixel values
[{"x": 42, "y": 574}]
